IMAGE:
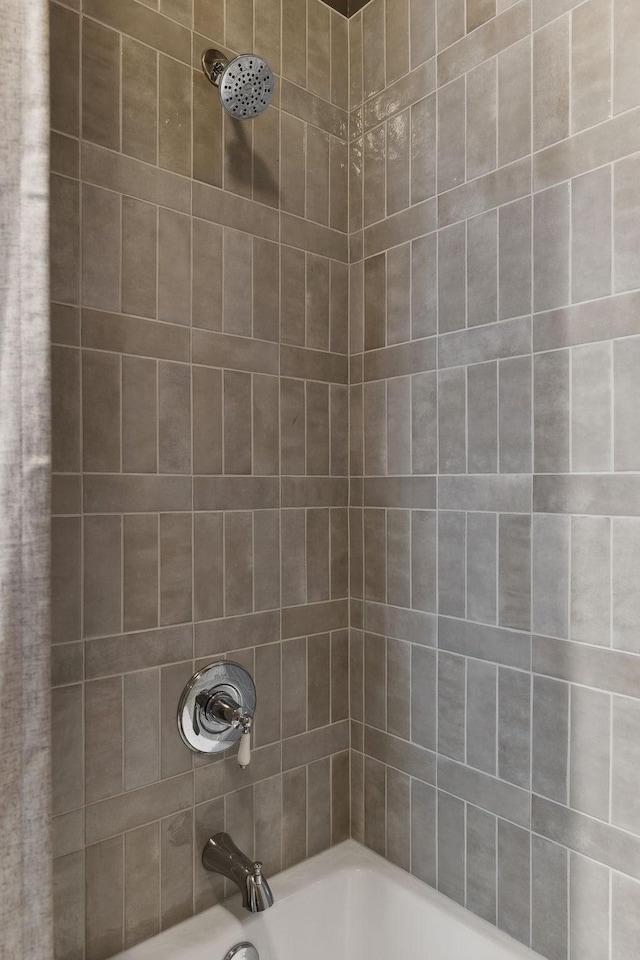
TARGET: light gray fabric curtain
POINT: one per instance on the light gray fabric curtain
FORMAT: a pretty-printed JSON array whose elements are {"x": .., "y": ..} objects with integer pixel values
[{"x": 25, "y": 793}]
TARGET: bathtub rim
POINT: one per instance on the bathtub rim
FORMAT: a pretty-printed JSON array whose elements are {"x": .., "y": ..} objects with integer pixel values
[{"x": 347, "y": 857}]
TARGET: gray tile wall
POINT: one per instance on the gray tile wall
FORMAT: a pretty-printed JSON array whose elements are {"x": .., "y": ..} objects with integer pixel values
[
  {"x": 481, "y": 514},
  {"x": 200, "y": 288},
  {"x": 494, "y": 459}
]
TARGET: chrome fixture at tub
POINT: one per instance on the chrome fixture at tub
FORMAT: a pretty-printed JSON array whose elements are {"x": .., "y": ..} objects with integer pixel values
[
  {"x": 216, "y": 710},
  {"x": 221, "y": 855},
  {"x": 245, "y": 84},
  {"x": 242, "y": 951}
]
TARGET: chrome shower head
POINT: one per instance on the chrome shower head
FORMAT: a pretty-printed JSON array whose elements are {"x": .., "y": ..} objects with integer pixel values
[{"x": 245, "y": 84}]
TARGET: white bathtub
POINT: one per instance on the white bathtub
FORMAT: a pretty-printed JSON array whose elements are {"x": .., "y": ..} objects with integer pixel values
[{"x": 344, "y": 904}]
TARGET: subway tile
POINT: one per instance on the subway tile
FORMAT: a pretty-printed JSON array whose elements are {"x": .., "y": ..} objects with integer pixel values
[
  {"x": 105, "y": 331},
  {"x": 591, "y": 235},
  {"x": 105, "y": 168},
  {"x": 511, "y": 494},
  {"x": 481, "y": 119},
  {"x": 102, "y": 602},
  {"x": 481, "y": 567},
  {"x": 140, "y": 571},
  {"x": 101, "y": 412},
  {"x": 66, "y": 572},
  {"x": 592, "y": 148},
  {"x": 591, "y": 408},
  {"x": 514, "y": 726},
  {"x": 450, "y": 22},
  {"x": 237, "y": 423},
  {"x": 423, "y": 143},
  {"x": 590, "y": 751},
  {"x": 451, "y": 847},
  {"x": 514, "y": 573},
  {"x": 549, "y": 765},
  {"x": 550, "y": 575},
  {"x": 240, "y": 213},
  {"x": 174, "y": 418},
  {"x": 482, "y": 418},
  {"x": 590, "y": 579},
  {"x": 423, "y": 428},
  {"x": 451, "y": 706},
  {"x": 141, "y": 702},
  {"x": 410, "y": 625},
  {"x": 103, "y": 730},
  {"x": 139, "y": 100},
  {"x": 139, "y": 240},
  {"x": 451, "y": 139},
  {"x": 292, "y": 191},
  {"x": 176, "y": 868},
  {"x": 150, "y": 648},
  {"x": 452, "y": 456},
  {"x": 551, "y": 82},
  {"x": 497, "y": 796},
  {"x": 514, "y": 415},
  {"x": 100, "y": 248},
  {"x": 64, "y": 46},
  {"x": 452, "y": 259},
  {"x": 514, "y": 101},
  {"x": 174, "y": 267},
  {"x": 515, "y": 259},
  {"x": 67, "y": 748},
  {"x": 551, "y": 412},
  {"x": 104, "y": 898},
  {"x": 208, "y": 568},
  {"x": 121, "y": 813},
  {"x": 175, "y": 571},
  {"x": 483, "y": 42},
  {"x": 100, "y": 84},
  {"x": 68, "y": 905},
  {"x": 141, "y": 884},
  {"x": 551, "y": 247},
  {"x": 314, "y": 745},
  {"x": 626, "y": 78},
  {"x": 549, "y": 906},
  {"x": 492, "y": 190},
  {"x": 626, "y": 224},
  {"x": 625, "y": 547},
  {"x": 238, "y": 538},
  {"x": 491, "y": 342},
  {"x": 481, "y": 714},
  {"x": 494, "y": 644},
  {"x": 234, "y": 633},
  {"x": 409, "y": 224},
  {"x": 144, "y": 24},
  {"x": 625, "y": 896},
  {"x": 374, "y": 681},
  {"x": 626, "y": 456},
  {"x": 599, "y": 841},
  {"x": 235, "y": 493},
  {"x": 411, "y": 759},
  {"x": 423, "y": 832},
  {"x": 625, "y": 810},
  {"x": 481, "y": 856},
  {"x": 451, "y": 564},
  {"x": 482, "y": 267},
  {"x": 616, "y": 495},
  {"x": 514, "y": 885},
  {"x": 588, "y": 908},
  {"x": 424, "y": 680}
]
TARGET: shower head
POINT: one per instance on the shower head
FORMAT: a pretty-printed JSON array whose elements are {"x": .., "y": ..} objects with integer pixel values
[{"x": 245, "y": 84}]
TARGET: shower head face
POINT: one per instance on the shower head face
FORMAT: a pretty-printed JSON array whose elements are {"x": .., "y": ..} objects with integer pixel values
[{"x": 246, "y": 86}]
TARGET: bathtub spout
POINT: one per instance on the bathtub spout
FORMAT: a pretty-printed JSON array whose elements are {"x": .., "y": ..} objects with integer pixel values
[{"x": 221, "y": 855}]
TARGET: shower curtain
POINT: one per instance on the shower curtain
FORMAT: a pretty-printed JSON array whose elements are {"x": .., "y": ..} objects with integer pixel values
[{"x": 25, "y": 844}]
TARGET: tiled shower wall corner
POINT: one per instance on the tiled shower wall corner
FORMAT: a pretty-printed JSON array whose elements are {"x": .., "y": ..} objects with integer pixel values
[
  {"x": 200, "y": 449},
  {"x": 495, "y": 458}
]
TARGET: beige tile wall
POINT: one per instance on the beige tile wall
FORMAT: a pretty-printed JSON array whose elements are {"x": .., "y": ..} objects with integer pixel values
[
  {"x": 495, "y": 469},
  {"x": 200, "y": 298}
]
